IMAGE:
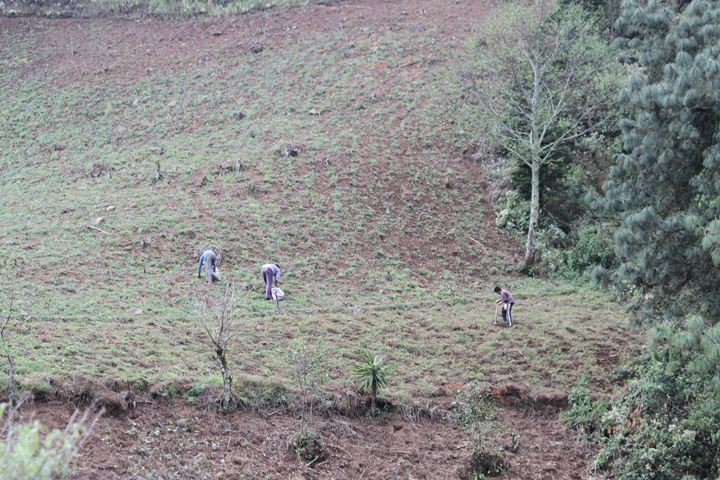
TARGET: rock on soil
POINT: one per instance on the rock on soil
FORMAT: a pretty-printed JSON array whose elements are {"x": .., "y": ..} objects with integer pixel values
[{"x": 100, "y": 169}]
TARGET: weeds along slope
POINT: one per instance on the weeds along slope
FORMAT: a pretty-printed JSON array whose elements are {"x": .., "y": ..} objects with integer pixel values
[
  {"x": 377, "y": 192},
  {"x": 143, "y": 8},
  {"x": 561, "y": 333}
]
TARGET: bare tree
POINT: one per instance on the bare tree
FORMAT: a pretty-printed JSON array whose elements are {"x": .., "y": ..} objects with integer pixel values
[
  {"x": 539, "y": 71},
  {"x": 308, "y": 371},
  {"x": 12, "y": 404},
  {"x": 218, "y": 318}
]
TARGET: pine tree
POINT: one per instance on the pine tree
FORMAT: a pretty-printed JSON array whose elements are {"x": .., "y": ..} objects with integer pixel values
[
  {"x": 666, "y": 189},
  {"x": 666, "y": 186}
]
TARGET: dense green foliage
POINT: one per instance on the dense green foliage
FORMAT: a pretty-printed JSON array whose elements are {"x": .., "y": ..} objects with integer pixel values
[
  {"x": 666, "y": 189},
  {"x": 666, "y": 185},
  {"x": 607, "y": 10},
  {"x": 585, "y": 415},
  {"x": 667, "y": 426}
]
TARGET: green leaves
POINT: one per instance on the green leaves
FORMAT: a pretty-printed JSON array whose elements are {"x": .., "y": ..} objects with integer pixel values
[
  {"x": 372, "y": 372},
  {"x": 30, "y": 451},
  {"x": 666, "y": 185},
  {"x": 665, "y": 426}
]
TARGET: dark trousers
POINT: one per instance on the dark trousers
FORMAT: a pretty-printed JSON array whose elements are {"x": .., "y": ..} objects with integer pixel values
[
  {"x": 210, "y": 267},
  {"x": 268, "y": 276},
  {"x": 507, "y": 313}
]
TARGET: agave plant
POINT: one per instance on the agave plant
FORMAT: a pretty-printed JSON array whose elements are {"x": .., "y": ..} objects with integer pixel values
[{"x": 372, "y": 372}]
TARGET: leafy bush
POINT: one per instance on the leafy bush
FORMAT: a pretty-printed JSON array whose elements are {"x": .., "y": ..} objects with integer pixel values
[
  {"x": 590, "y": 246},
  {"x": 474, "y": 404},
  {"x": 29, "y": 451},
  {"x": 487, "y": 461},
  {"x": 193, "y": 393},
  {"x": 585, "y": 414},
  {"x": 608, "y": 10},
  {"x": 259, "y": 394},
  {"x": 515, "y": 217},
  {"x": 667, "y": 426},
  {"x": 309, "y": 447}
]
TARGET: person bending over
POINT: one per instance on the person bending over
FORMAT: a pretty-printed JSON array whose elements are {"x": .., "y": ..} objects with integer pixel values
[
  {"x": 210, "y": 258},
  {"x": 270, "y": 272}
]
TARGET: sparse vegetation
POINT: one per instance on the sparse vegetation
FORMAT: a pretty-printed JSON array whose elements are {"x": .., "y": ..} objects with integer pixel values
[
  {"x": 308, "y": 372},
  {"x": 144, "y": 8},
  {"x": 218, "y": 317}
]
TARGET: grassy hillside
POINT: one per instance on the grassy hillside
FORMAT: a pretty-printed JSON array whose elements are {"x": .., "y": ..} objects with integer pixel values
[
  {"x": 142, "y": 8},
  {"x": 560, "y": 335},
  {"x": 383, "y": 228},
  {"x": 129, "y": 145},
  {"x": 377, "y": 192}
]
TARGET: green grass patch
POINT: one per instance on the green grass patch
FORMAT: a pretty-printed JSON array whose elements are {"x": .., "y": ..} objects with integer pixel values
[{"x": 167, "y": 9}]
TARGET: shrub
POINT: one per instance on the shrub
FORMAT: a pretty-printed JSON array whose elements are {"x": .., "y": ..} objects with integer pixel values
[
  {"x": 309, "y": 447},
  {"x": 29, "y": 451},
  {"x": 474, "y": 404},
  {"x": 372, "y": 372},
  {"x": 487, "y": 462},
  {"x": 262, "y": 394},
  {"x": 666, "y": 427},
  {"x": 585, "y": 414},
  {"x": 515, "y": 217},
  {"x": 193, "y": 393},
  {"x": 588, "y": 248},
  {"x": 308, "y": 371}
]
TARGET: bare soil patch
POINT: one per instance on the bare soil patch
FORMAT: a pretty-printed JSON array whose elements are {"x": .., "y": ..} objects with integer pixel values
[
  {"x": 115, "y": 50},
  {"x": 177, "y": 440}
]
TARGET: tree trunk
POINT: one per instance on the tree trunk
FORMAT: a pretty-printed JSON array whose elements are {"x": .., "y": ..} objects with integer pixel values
[
  {"x": 227, "y": 380},
  {"x": 534, "y": 214}
]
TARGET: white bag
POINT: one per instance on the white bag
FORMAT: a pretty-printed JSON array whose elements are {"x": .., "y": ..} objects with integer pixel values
[{"x": 277, "y": 294}]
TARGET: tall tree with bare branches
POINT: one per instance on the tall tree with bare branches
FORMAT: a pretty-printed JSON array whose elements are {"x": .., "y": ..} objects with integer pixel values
[{"x": 542, "y": 74}]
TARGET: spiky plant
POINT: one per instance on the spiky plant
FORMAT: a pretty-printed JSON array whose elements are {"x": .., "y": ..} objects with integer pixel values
[{"x": 372, "y": 372}]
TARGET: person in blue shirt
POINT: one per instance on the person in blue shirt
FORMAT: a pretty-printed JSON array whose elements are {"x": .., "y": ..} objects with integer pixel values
[
  {"x": 270, "y": 272},
  {"x": 210, "y": 258},
  {"x": 507, "y": 300}
]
